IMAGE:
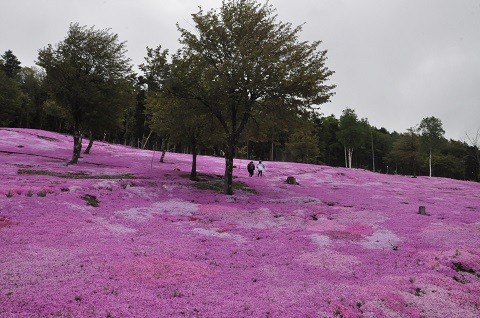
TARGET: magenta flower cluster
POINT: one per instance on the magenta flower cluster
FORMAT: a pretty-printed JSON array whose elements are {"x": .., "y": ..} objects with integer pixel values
[{"x": 341, "y": 243}]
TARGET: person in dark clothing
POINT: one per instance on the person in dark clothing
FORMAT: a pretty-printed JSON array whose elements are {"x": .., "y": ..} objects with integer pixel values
[{"x": 251, "y": 168}]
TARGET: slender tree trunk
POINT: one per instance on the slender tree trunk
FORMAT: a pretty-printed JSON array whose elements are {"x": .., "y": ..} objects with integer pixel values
[
  {"x": 345, "y": 150},
  {"x": 373, "y": 153},
  {"x": 430, "y": 163},
  {"x": 229, "y": 154},
  {"x": 271, "y": 151},
  {"x": 77, "y": 147},
  {"x": 146, "y": 141},
  {"x": 162, "y": 157},
  {"x": 350, "y": 155},
  {"x": 90, "y": 144},
  {"x": 193, "y": 173}
]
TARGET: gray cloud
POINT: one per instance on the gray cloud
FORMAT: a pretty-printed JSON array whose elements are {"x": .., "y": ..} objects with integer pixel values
[{"x": 395, "y": 61}]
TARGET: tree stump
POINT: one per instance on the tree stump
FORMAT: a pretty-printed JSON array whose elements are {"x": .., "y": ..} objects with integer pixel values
[
  {"x": 291, "y": 180},
  {"x": 422, "y": 210}
]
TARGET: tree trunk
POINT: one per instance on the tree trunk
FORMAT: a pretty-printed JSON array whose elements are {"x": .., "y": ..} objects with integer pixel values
[
  {"x": 162, "y": 157},
  {"x": 430, "y": 163},
  {"x": 271, "y": 151},
  {"x": 346, "y": 162},
  {"x": 193, "y": 173},
  {"x": 373, "y": 153},
  {"x": 90, "y": 144},
  {"x": 77, "y": 147},
  {"x": 350, "y": 156},
  {"x": 229, "y": 154},
  {"x": 146, "y": 140}
]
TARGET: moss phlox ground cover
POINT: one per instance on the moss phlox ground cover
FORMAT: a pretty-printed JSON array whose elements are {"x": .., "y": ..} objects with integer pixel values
[{"x": 122, "y": 235}]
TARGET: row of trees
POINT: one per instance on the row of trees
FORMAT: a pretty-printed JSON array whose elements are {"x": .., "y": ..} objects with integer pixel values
[
  {"x": 242, "y": 84},
  {"x": 421, "y": 150}
]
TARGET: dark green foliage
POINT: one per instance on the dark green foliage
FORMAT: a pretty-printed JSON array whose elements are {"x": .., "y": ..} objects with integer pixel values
[
  {"x": 91, "y": 200},
  {"x": 405, "y": 155},
  {"x": 10, "y": 64},
  {"x": 42, "y": 193},
  {"x": 73, "y": 175},
  {"x": 88, "y": 75},
  {"x": 240, "y": 62},
  {"x": 432, "y": 132},
  {"x": 11, "y": 98}
]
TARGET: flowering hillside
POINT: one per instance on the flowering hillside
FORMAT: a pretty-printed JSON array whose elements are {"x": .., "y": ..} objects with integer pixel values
[{"x": 123, "y": 235}]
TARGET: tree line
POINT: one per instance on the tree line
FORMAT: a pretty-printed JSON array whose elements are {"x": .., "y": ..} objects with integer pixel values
[{"x": 241, "y": 85}]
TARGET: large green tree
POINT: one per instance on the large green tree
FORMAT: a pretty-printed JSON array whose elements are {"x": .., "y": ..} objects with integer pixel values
[
  {"x": 404, "y": 156},
  {"x": 352, "y": 133},
  {"x": 241, "y": 59},
  {"x": 31, "y": 113},
  {"x": 82, "y": 74},
  {"x": 331, "y": 152},
  {"x": 11, "y": 98},
  {"x": 179, "y": 122},
  {"x": 432, "y": 132}
]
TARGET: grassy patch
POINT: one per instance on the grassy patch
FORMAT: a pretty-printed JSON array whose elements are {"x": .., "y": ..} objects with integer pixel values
[
  {"x": 216, "y": 183},
  {"x": 91, "y": 200},
  {"x": 74, "y": 175},
  {"x": 47, "y": 138}
]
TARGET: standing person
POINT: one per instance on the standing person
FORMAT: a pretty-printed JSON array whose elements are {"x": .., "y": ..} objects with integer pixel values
[
  {"x": 260, "y": 168},
  {"x": 251, "y": 168}
]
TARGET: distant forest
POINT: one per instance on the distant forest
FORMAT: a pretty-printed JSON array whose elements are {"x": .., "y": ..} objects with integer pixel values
[{"x": 97, "y": 96}]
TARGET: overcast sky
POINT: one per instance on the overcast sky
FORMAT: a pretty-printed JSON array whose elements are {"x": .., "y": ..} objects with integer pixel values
[{"x": 395, "y": 61}]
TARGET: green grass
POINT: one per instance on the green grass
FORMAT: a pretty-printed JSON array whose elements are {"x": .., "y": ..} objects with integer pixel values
[
  {"x": 91, "y": 200},
  {"x": 216, "y": 183},
  {"x": 74, "y": 175}
]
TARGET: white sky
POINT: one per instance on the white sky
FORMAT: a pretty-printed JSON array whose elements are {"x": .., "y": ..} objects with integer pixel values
[{"x": 395, "y": 61}]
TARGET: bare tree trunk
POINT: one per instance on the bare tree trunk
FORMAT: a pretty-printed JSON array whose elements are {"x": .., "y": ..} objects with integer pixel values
[
  {"x": 229, "y": 154},
  {"x": 350, "y": 155},
  {"x": 77, "y": 147},
  {"x": 90, "y": 144},
  {"x": 193, "y": 173},
  {"x": 271, "y": 151},
  {"x": 430, "y": 163},
  {"x": 373, "y": 153},
  {"x": 146, "y": 141},
  {"x": 162, "y": 157}
]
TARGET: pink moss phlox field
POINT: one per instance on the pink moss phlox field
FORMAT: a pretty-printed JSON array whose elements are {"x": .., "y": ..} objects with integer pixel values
[{"x": 341, "y": 243}]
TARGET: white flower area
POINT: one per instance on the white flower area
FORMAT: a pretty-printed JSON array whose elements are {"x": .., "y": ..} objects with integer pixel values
[
  {"x": 223, "y": 235},
  {"x": 172, "y": 207},
  {"x": 116, "y": 228},
  {"x": 321, "y": 240},
  {"x": 382, "y": 239}
]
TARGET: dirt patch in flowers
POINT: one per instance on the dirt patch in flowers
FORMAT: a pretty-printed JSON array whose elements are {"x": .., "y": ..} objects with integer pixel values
[{"x": 4, "y": 222}]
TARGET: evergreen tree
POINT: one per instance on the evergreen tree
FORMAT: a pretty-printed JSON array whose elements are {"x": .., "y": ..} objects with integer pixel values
[{"x": 10, "y": 64}]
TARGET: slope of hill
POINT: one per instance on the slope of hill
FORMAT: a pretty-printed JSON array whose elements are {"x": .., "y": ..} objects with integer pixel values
[{"x": 123, "y": 235}]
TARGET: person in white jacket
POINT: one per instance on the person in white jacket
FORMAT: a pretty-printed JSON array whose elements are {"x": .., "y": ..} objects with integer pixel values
[{"x": 260, "y": 168}]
